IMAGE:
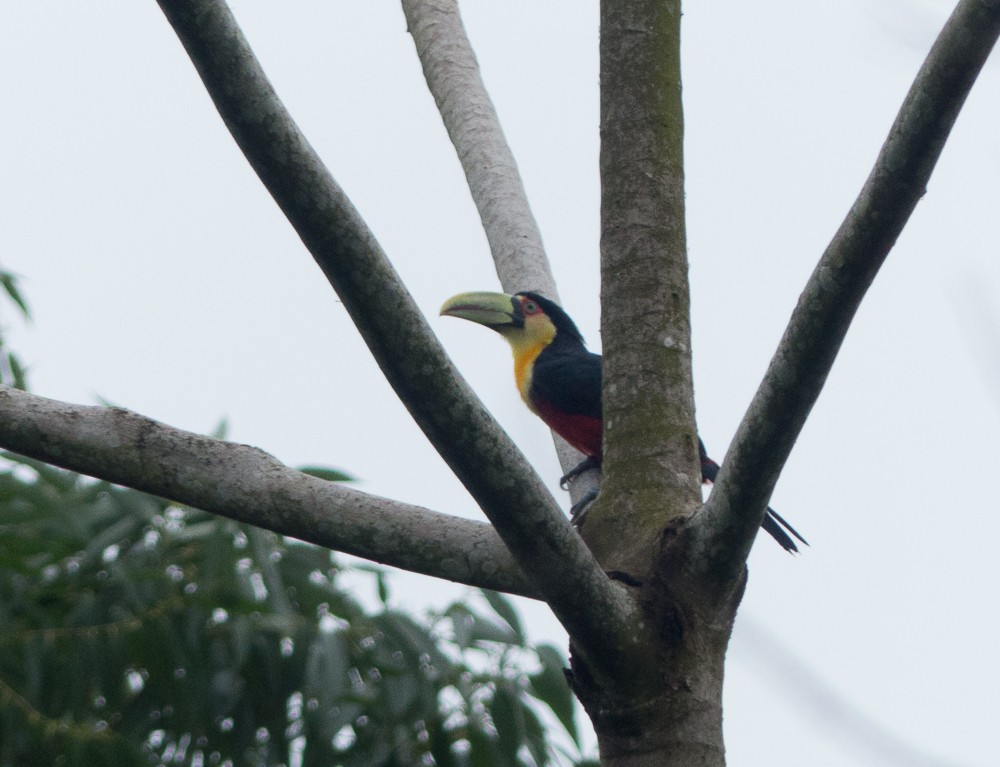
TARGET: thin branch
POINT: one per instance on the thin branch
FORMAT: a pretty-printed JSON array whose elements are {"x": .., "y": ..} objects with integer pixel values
[
  {"x": 597, "y": 613},
  {"x": 249, "y": 485},
  {"x": 826, "y": 307},
  {"x": 453, "y": 78}
]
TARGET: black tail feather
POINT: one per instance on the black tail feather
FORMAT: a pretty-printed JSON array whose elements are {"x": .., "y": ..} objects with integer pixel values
[
  {"x": 781, "y": 521},
  {"x": 772, "y": 525}
]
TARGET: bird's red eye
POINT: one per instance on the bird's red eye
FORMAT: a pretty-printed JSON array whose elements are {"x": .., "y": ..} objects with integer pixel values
[{"x": 530, "y": 307}]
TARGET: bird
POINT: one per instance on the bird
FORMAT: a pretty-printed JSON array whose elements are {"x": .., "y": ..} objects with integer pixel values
[{"x": 560, "y": 380}]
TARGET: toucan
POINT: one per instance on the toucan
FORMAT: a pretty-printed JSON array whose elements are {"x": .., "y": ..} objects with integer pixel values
[{"x": 560, "y": 380}]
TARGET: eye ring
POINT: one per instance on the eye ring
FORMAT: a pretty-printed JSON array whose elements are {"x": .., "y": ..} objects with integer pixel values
[{"x": 530, "y": 307}]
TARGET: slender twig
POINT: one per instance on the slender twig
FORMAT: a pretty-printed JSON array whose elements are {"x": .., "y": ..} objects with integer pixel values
[
  {"x": 249, "y": 485},
  {"x": 824, "y": 312},
  {"x": 597, "y": 613}
]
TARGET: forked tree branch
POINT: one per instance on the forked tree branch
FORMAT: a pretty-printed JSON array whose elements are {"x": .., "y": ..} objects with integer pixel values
[
  {"x": 596, "y": 612},
  {"x": 826, "y": 307},
  {"x": 249, "y": 485}
]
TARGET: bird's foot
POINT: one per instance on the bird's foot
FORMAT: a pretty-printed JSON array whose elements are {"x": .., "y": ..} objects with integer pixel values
[
  {"x": 586, "y": 464},
  {"x": 579, "y": 509}
]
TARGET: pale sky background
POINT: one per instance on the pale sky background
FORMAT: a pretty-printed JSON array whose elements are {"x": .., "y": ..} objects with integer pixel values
[{"x": 163, "y": 278}]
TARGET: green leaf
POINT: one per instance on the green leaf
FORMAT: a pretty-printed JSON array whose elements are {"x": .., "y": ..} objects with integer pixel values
[
  {"x": 503, "y": 607},
  {"x": 461, "y": 624},
  {"x": 483, "y": 750},
  {"x": 401, "y": 693},
  {"x": 18, "y": 371},
  {"x": 441, "y": 742},
  {"x": 535, "y": 736},
  {"x": 485, "y": 630},
  {"x": 326, "y": 668},
  {"x": 221, "y": 429},
  {"x": 471, "y": 628},
  {"x": 550, "y": 687},
  {"x": 195, "y": 532},
  {"x": 508, "y": 717},
  {"x": 9, "y": 283},
  {"x": 417, "y": 643},
  {"x": 381, "y": 580},
  {"x": 383, "y": 588},
  {"x": 330, "y": 475}
]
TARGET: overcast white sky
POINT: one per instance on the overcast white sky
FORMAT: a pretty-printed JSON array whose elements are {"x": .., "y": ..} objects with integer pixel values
[{"x": 164, "y": 279}]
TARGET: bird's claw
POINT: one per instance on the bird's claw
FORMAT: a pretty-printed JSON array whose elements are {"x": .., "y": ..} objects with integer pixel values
[
  {"x": 585, "y": 465},
  {"x": 579, "y": 510}
]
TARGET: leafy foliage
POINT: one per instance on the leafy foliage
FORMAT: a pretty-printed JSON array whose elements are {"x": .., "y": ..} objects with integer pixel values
[{"x": 134, "y": 632}]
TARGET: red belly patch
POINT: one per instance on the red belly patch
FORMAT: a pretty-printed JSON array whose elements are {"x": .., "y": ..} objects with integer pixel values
[{"x": 581, "y": 431}]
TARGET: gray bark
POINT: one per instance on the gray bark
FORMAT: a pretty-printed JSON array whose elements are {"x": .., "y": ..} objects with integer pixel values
[
  {"x": 453, "y": 78},
  {"x": 650, "y": 473}
]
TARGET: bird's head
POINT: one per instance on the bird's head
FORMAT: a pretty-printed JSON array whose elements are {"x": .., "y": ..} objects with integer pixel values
[{"x": 528, "y": 321}]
